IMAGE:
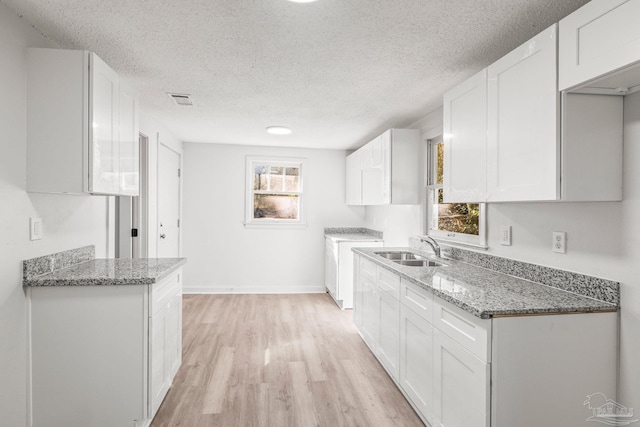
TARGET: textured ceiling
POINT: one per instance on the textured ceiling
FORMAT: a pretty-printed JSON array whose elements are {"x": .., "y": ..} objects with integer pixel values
[{"x": 337, "y": 72}]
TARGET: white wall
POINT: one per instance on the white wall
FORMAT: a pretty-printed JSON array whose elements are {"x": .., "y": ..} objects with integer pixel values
[
  {"x": 68, "y": 221},
  {"x": 224, "y": 256}
]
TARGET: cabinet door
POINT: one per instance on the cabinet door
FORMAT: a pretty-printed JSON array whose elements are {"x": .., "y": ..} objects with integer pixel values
[
  {"x": 354, "y": 178},
  {"x": 331, "y": 266},
  {"x": 159, "y": 378},
  {"x": 376, "y": 176},
  {"x": 387, "y": 169},
  {"x": 129, "y": 147},
  {"x": 388, "y": 340},
  {"x": 357, "y": 292},
  {"x": 523, "y": 156},
  {"x": 465, "y": 141},
  {"x": 174, "y": 336},
  {"x": 600, "y": 37},
  {"x": 104, "y": 98},
  {"x": 461, "y": 385},
  {"x": 416, "y": 361},
  {"x": 370, "y": 313}
]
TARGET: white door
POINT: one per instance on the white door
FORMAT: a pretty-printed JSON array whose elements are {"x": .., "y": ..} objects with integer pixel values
[{"x": 168, "y": 203}]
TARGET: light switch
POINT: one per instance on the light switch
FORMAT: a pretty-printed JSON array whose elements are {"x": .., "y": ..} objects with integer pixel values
[
  {"x": 505, "y": 235},
  {"x": 35, "y": 228}
]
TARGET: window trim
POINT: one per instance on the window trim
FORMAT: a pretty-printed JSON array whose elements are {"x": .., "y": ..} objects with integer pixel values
[
  {"x": 476, "y": 241},
  {"x": 249, "y": 220}
]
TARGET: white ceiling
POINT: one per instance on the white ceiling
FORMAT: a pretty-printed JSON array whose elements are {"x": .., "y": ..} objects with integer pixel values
[{"x": 337, "y": 72}]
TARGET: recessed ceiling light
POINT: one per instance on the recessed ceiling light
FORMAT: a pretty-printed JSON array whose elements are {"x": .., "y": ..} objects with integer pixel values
[
  {"x": 302, "y": 1},
  {"x": 278, "y": 130}
]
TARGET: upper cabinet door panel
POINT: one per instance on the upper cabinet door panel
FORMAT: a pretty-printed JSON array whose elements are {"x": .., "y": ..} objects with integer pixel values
[
  {"x": 129, "y": 146},
  {"x": 354, "y": 178},
  {"x": 600, "y": 37},
  {"x": 523, "y": 126},
  {"x": 104, "y": 147},
  {"x": 465, "y": 141}
]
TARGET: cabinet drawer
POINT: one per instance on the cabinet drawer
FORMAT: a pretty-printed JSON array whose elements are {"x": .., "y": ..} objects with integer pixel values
[
  {"x": 418, "y": 300},
  {"x": 368, "y": 269},
  {"x": 469, "y": 331},
  {"x": 389, "y": 282},
  {"x": 163, "y": 291}
]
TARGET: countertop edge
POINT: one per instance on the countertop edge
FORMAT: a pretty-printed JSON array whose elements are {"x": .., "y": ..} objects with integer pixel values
[
  {"x": 484, "y": 314},
  {"x": 42, "y": 281}
]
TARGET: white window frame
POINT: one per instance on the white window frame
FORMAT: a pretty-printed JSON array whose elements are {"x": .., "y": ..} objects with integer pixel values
[
  {"x": 250, "y": 221},
  {"x": 448, "y": 237}
]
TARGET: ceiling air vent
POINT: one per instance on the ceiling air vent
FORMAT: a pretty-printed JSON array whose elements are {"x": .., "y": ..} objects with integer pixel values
[{"x": 181, "y": 99}]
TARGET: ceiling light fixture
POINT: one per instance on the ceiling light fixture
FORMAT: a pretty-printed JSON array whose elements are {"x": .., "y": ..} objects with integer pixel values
[
  {"x": 302, "y": 1},
  {"x": 278, "y": 130}
]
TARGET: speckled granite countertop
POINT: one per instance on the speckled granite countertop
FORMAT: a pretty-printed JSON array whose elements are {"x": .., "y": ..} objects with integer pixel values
[
  {"x": 486, "y": 293},
  {"x": 353, "y": 234},
  {"x": 117, "y": 271}
]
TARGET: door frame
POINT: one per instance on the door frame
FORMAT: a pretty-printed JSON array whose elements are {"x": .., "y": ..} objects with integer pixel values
[{"x": 179, "y": 154}]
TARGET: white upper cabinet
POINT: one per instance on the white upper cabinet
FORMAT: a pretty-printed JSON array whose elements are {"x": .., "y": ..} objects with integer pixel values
[
  {"x": 523, "y": 152},
  {"x": 541, "y": 145},
  {"x": 601, "y": 38},
  {"x": 465, "y": 141},
  {"x": 82, "y": 128},
  {"x": 388, "y": 170},
  {"x": 354, "y": 178}
]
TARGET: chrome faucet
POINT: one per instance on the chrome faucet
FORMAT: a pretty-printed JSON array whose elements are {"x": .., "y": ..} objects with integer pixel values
[{"x": 434, "y": 245}]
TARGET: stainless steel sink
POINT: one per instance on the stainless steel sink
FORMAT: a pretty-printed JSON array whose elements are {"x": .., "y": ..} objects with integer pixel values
[
  {"x": 409, "y": 259},
  {"x": 400, "y": 256},
  {"x": 420, "y": 263}
]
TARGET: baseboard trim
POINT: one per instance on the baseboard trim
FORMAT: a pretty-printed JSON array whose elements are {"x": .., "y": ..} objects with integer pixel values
[{"x": 254, "y": 290}]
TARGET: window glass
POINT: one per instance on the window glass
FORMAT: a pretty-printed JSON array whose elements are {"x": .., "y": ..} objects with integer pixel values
[{"x": 275, "y": 193}]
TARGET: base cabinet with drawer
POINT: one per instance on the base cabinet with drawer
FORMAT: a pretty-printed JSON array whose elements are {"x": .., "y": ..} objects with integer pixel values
[
  {"x": 103, "y": 355},
  {"x": 458, "y": 370}
]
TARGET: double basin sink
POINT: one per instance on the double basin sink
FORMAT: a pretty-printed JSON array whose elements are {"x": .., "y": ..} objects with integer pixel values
[{"x": 409, "y": 258}]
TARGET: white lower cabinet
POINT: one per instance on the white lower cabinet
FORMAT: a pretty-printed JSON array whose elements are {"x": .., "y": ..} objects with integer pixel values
[
  {"x": 388, "y": 341},
  {"x": 377, "y": 313},
  {"x": 370, "y": 313},
  {"x": 416, "y": 361},
  {"x": 460, "y": 385},
  {"x": 103, "y": 355},
  {"x": 458, "y": 370},
  {"x": 338, "y": 270}
]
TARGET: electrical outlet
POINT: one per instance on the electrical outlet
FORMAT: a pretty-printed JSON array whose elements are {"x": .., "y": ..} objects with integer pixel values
[
  {"x": 560, "y": 242},
  {"x": 505, "y": 235}
]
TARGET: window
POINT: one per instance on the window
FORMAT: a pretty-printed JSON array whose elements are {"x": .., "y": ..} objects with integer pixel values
[
  {"x": 455, "y": 222},
  {"x": 274, "y": 193}
]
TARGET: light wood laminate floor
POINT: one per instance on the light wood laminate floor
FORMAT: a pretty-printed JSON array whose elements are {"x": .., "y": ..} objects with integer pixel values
[{"x": 280, "y": 361}]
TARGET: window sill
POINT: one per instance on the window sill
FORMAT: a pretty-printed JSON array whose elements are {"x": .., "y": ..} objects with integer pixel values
[
  {"x": 280, "y": 225},
  {"x": 453, "y": 242}
]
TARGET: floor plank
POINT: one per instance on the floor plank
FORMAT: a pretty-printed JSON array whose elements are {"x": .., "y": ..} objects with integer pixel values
[{"x": 278, "y": 361}]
